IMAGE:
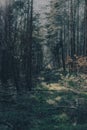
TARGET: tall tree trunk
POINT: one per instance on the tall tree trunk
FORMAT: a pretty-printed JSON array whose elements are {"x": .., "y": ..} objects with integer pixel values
[
  {"x": 86, "y": 27},
  {"x": 72, "y": 31},
  {"x": 78, "y": 28},
  {"x": 62, "y": 49},
  {"x": 29, "y": 47},
  {"x": 68, "y": 43}
]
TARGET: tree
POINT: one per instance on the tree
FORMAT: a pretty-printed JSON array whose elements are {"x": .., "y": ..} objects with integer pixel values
[
  {"x": 72, "y": 34},
  {"x": 85, "y": 27}
]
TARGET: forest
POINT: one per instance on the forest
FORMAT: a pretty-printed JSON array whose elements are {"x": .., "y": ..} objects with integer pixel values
[{"x": 43, "y": 65}]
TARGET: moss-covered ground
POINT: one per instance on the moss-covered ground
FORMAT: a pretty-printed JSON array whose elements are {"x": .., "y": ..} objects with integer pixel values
[{"x": 60, "y": 105}]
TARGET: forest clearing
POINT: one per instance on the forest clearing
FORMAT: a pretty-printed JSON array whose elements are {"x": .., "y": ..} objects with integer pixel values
[{"x": 43, "y": 64}]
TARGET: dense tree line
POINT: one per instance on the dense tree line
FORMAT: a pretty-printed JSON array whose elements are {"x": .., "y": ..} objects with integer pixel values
[
  {"x": 23, "y": 46},
  {"x": 67, "y": 32},
  {"x": 19, "y": 44}
]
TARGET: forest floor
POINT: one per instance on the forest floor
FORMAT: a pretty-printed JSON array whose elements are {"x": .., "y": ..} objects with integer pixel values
[{"x": 58, "y": 104}]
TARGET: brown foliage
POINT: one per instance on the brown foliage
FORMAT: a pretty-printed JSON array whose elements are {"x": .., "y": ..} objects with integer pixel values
[{"x": 77, "y": 64}]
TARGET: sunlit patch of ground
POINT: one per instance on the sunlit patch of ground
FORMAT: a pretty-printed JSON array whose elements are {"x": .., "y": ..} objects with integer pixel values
[
  {"x": 49, "y": 106},
  {"x": 56, "y": 86},
  {"x": 50, "y": 101},
  {"x": 54, "y": 101}
]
